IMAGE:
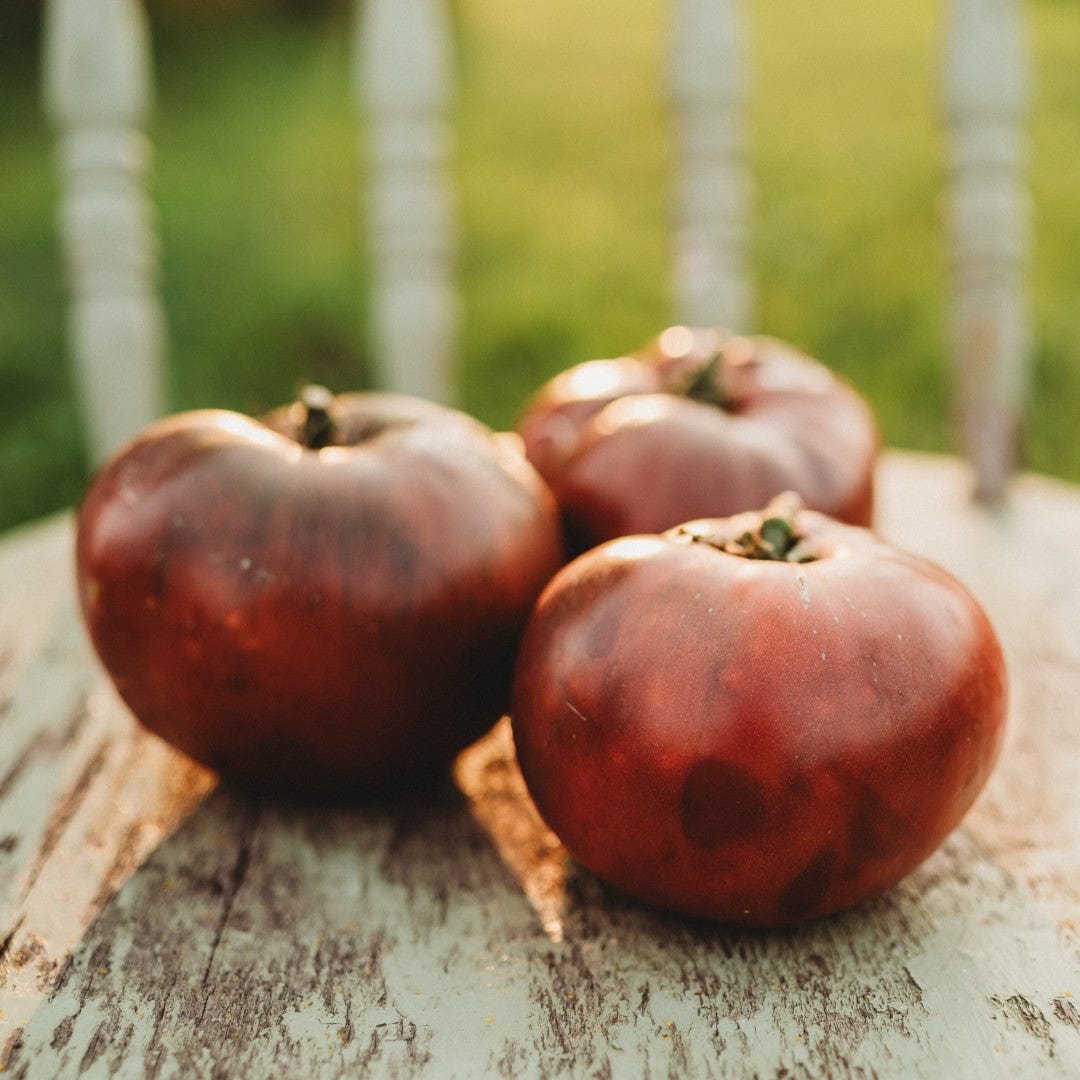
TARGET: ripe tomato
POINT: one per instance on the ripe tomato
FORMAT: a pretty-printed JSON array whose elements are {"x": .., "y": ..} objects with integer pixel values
[
  {"x": 322, "y": 602},
  {"x": 759, "y": 719},
  {"x": 699, "y": 423}
]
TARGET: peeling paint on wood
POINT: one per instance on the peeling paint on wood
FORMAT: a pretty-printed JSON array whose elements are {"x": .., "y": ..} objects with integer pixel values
[{"x": 150, "y": 925}]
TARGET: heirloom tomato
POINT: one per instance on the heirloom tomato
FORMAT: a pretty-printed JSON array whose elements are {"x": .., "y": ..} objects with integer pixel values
[
  {"x": 758, "y": 719},
  {"x": 320, "y": 602},
  {"x": 699, "y": 423}
]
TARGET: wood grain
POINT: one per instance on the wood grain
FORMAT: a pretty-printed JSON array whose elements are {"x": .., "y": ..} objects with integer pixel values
[{"x": 153, "y": 927}]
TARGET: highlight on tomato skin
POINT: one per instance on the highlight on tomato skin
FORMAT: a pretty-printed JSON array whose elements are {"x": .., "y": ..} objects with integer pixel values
[
  {"x": 324, "y": 603},
  {"x": 759, "y": 720},
  {"x": 699, "y": 422}
]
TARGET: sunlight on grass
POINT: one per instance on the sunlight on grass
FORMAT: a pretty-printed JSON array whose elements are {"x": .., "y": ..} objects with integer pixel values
[
  {"x": 1055, "y": 393},
  {"x": 563, "y": 207},
  {"x": 850, "y": 256}
]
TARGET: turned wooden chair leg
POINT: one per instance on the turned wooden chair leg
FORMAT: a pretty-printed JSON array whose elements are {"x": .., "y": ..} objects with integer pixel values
[
  {"x": 989, "y": 220},
  {"x": 98, "y": 88},
  {"x": 714, "y": 191},
  {"x": 404, "y": 87}
]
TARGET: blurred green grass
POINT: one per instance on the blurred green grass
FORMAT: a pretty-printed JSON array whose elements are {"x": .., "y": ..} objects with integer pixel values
[{"x": 562, "y": 171}]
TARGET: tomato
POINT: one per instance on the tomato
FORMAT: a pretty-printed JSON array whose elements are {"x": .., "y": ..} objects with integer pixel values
[
  {"x": 322, "y": 602},
  {"x": 699, "y": 423},
  {"x": 760, "y": 719}
]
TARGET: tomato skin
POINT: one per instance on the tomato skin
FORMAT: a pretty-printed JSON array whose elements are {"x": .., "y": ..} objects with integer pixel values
[
  {"x": 315, "y": 622},
  {"x": 750, "y": 741},
  {"x": 626, "y": 450}
]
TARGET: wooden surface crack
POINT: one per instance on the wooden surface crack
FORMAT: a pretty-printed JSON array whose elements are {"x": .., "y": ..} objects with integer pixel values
[
  {"x": 159, "y": 1014},
  {"x": 65, "y": 811},
  {"x": 1066, "y": 1011},
  {"x": 6, "y": 942},
  {"x": 232, "y": 886},
  {"x": 47, "y": 742}
]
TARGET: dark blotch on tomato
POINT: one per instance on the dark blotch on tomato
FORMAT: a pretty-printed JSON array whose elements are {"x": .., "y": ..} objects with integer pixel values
[
  {"x": 804, "y": 896},
  {"x": 719, "y": 803},
  {"x": 872, "y": 830}
]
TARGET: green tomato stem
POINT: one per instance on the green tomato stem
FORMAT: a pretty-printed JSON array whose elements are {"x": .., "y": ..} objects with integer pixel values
[
  {"x": 707, "y": 384},
  {"x": 318, "y": 427},
  {"x": 775, "y": 539}
]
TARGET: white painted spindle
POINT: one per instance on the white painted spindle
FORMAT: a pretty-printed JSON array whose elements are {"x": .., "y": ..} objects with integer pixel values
[
  {"x": 714, "y": 187},
  {"x": 404, "y": 87},
  {"x": 97, "y": 85},
  {"x": 989, "y": 214}
]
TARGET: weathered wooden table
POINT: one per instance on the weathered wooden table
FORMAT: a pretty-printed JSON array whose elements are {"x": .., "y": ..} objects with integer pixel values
[{"x": 152, "y": 925}]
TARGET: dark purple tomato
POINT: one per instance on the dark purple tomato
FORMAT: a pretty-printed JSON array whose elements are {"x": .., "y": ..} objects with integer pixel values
[
  {"x": 761, "y": 719},
  {"x": 699, "y": 423},
  {"x": 322, "y": 602}
]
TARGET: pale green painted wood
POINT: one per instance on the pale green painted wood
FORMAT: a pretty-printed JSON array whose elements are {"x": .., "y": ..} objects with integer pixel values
[
  {"x": 152, "y": 926},
  {"x": 404, "y": 87},
  {"x": 713, "y": 197},
  {"x": 988, "y": 211}
]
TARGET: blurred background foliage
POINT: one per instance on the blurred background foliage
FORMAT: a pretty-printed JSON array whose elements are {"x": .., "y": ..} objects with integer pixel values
[{"x": 562, "y": 172}]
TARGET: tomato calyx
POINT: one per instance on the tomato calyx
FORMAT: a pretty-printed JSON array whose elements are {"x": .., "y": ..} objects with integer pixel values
[
  {"x": 707, "y": 383},
  {"x": 723, "y": 377},
  {"x": 318, "y": 419},
  {"x": 774, "y": 539},
  {"x": 317, "y": 428}
]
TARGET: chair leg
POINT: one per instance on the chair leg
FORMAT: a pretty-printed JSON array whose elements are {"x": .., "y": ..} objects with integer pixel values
[
  {"x": 98, "y": 84},
  {"x": 714, "y": 194},
  {"x": 404, "y": 88},
  {"x": 989, "y": 219}
]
